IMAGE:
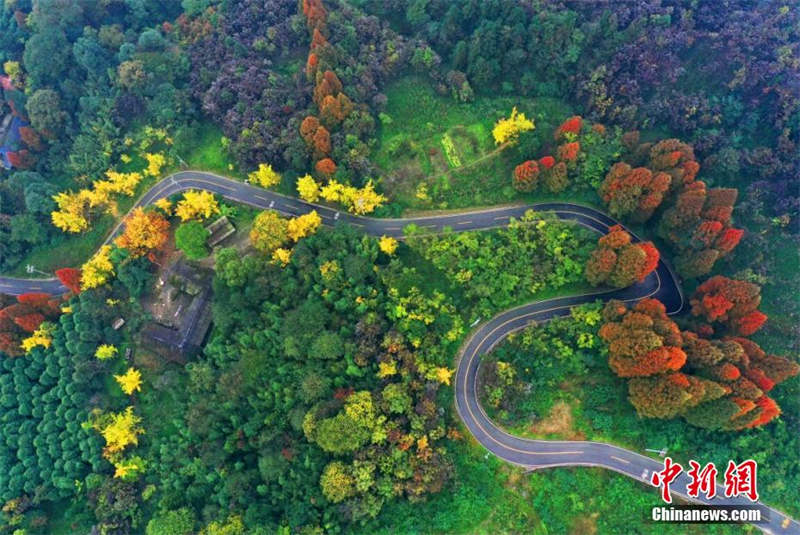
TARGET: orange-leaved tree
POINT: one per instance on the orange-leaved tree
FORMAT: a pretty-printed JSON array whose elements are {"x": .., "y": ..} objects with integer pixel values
[
  {"x": 731, "y": 303},
  {"x": 144, "y": 231},
  {"x": 618, "y": 262}
]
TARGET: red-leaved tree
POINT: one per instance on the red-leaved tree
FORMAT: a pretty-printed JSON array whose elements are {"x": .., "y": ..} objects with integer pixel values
[
  {"x": 618, "y": 262},
  {"x": 730, "y": 303},
  {"x": 70, "y": 278},
  {"x": 633, "y": 193},
  {"x": 526, "y": 176}
]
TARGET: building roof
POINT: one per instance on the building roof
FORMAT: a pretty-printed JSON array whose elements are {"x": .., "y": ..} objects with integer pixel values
[
  {"x": 219, "y": 230},
  {"x": 182, "y": 311}
]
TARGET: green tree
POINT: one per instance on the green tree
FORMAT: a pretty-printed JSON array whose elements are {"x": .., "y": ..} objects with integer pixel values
[
  {"x": 45, "y": 113},
  {"x": 179, "y": 522},
  {"x": 269, "y": 231},
  {"x": 336, "y": 482},
  {"x": 190, "y": 237},
  {"x": 46, "y": 56}
]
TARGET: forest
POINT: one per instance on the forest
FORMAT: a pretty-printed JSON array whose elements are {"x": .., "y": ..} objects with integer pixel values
[{"x": 321, "y": 400}]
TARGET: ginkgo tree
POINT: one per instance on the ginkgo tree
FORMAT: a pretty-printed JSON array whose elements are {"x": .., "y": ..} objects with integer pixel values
[
  {"x": 197, "y": 205},
  {"x": 359, "y": 201},
  {"x": 119, "y": 430},
  {"x": 130, "y": 381},
  {"x": 74, "y": 208},
  {"x": 154, "y": 163},
  {"x": 144, "y": 232},
  {"x": 308, "y": 188},
  {"x": 106, "y": 351},
  {"x": 71, "y": 213},
  {"x": 269, "y": 231},
  {"x": 265, "y": 176},
  {"x": 41, "y": 337},
  {"x": 282, "y": 255},
  {"x": 508, "y": 129},
  {"x": 388, "y": 245},
  {"x": 98, "y": 270},
  {"x": 303, "y": 225}
]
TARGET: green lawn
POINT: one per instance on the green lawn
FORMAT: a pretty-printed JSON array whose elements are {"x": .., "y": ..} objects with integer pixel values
[
  {"x": 67, "y": 251},
  {"x": 427, "y": 138},
  {"x": 201, "y": 148}
]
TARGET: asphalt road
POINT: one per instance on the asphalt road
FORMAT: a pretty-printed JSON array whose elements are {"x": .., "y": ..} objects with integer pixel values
[{"x": 661, "y": 284}]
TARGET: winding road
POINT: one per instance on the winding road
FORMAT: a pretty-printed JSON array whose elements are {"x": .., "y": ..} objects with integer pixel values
[{"x": 532, "y": 454}]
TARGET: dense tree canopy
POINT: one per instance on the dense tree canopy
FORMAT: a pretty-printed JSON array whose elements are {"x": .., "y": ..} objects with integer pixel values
[
  {"x": 321, "y": 400},
  {"x": 712, "y": 383}
]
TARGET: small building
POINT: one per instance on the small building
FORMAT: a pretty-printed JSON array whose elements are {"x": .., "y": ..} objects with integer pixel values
[
  {"x": 219, "y": 230},
  {"x": 181, "y": 311}
]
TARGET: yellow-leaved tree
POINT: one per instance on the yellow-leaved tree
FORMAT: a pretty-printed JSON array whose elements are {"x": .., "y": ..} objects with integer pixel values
[
  {"x": 106, "y": 351},
  {"x": 281, "y": 255},
  {"x": 71, "y": 213},
  {"x": 387, "y": 369},
  {"x": 98, "y": 269},
  {"x": 13, "y": 70},
  {"x": 363, "y": 200},
  {"x": 304, "y": 225},
  {"x": 333, "y": 191},
  {"x": 154, "y": 163},
  {"x": 123, "y": 183},
  {"x": 264, "y": 176},
  {"x": 100, "y": 195},
  {"x": 336, "y": 482},
  {"x": 130, "y": 381},
  {"x": 197, "y": 205},
  {"x": 164, "y": 205},
  {"x": 232, "y": 526},
  {"x": 443, "y": 375},
  {"x": 128, "y": 468},
  {"x": 388, "y": 245},
  {"x": 73, "y": 207},
  {"x": 357, "y": 200},
  {"x": 308, "y": 188},
  {"x": 508, "y": 129},
  {"x": 43, "y": 336},
  {"x": 269, "y": 231},
  {"x": 120, "y": 430}
]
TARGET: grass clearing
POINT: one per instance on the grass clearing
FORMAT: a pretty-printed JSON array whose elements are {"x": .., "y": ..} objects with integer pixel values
[
  {"x": 201, "y": 147},
  {"x": 66, "y": 250},
  {"x": 447, "y": 146}
]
